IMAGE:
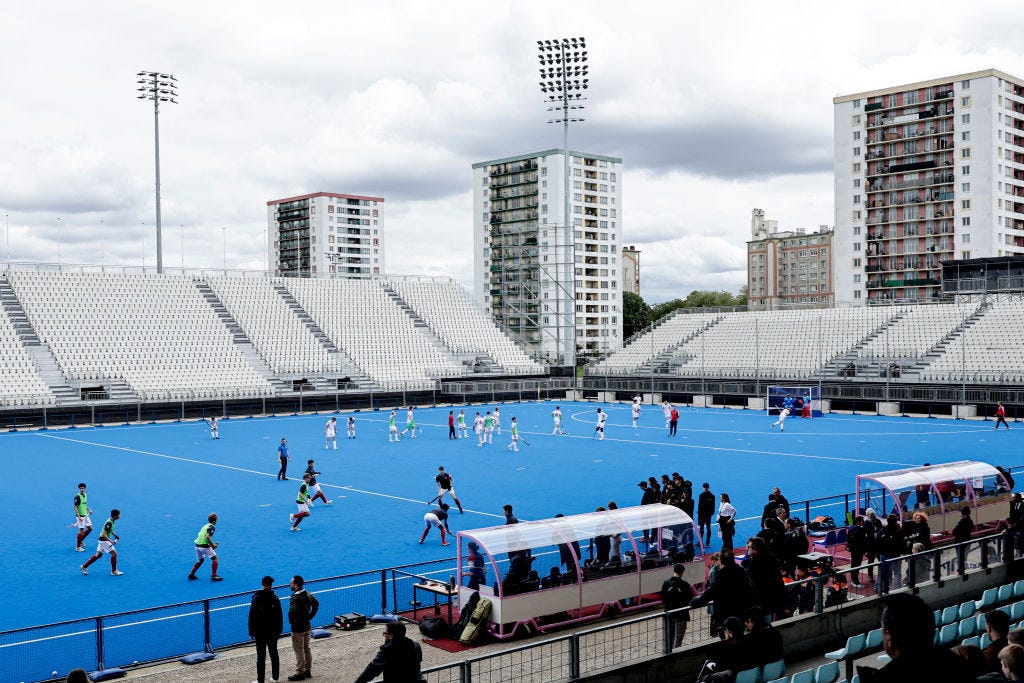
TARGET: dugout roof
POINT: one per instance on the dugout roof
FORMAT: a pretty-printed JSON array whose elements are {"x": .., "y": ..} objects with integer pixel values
[{"x": 975, "y": 479}]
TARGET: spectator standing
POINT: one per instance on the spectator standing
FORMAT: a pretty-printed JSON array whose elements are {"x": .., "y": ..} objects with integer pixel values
[
  {"x": 781, "y": 499},
  {"x": 265, "y": 624},
  {"x": 477, "y": 570},
  {"x": 764, "y": 573},
  {"x": 962, "y": 533},
  {"x": 872, "y": 528},
  {"x": 676, "y": 594},
  {"x": 648, "y": 497},
  {"x": 891, "y": 546},
  {"x": 705, "y": 512},
  {"x": 398, "y": 659},
  {"x": 856, "y": 544},
  {"x": 731, "y": 591},
  {"x": 726, "y": 521},
  {"x": 301, "y": 610}
]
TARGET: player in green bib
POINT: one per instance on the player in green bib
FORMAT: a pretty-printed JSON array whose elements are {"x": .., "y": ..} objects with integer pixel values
[
  {"x": 106, "y": 545},
  {"x": 82, "y": 520},
  {"x": 489, "y": 427},
  {"x": 206, "y": 548},
  {"x": 410, "y": 423},
  {"x": 393, "y": 434},
  {"x": 461, "y": 423},
  {"x": 514, "y": 446},
  {"x": 302, "y": 501}
]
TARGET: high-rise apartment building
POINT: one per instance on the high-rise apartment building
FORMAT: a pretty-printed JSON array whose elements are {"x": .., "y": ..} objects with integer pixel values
[
  {"x": 631, "y": 270},
  {"x": 555, "y": 290},
  {"x": 787, "y": 269},
  {"x": 325, "y": 234},
  {"x": 925, "y": 173}
]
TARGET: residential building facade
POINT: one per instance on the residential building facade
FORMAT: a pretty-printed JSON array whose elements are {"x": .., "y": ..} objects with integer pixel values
[
  {"x": 326, "y": 234},
  {"x": 788, "y": 269},
  {"x": 555, "y": 288},
  {"x": 631, "y": 270},
  {"x": 926, "y": 173}
]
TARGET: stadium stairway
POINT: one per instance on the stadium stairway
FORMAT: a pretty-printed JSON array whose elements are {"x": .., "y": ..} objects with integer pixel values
[
  {"x": 240, "y": 338},
  {"x": 667, "y": 360},
  {"x": 953, "y": 338},
  {"x": 356, "y": 374},
  {"x": 46, "y": 364},
  {"x": 467, "y": 359},
  {"x": 835, "y": 366}
]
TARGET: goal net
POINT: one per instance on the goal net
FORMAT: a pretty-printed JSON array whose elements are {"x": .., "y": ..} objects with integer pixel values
[{"x": 795, "y": 398}]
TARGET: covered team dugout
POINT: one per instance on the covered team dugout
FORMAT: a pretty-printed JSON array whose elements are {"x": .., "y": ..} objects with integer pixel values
[
  {"x": 564, "y": 570},
  {"x": 938, "y": 490}
]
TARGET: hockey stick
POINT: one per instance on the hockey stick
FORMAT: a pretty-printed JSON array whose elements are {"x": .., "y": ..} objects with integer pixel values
[{"x": 524, "y": 441}]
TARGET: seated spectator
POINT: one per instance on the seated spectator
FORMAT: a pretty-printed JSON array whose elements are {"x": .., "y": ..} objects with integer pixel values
[
  {"x": 836, "y": 593},
  {"x": 77, "y": 676},
  {"x": 908, "y": 631},
  {"x": 1016, "y": 636},
  {"x": 997, "y": 626},
  {"x": 1011, "y": 661},
  {"x": 975, "y": 660},
  {"x": 734, "y": 653},
  {"x": 765, "y": 641}
]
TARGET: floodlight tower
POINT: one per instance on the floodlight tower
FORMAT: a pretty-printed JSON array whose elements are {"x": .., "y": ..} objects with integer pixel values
[
  {"x": 563, "y": 78},
  {"x": 158, "y": 87}
]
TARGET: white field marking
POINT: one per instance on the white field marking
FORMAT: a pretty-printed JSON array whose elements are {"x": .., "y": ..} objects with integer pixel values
[
  {"x": 750, "y": 451},
  {"x": 239, "y": 469},
  {"x": 580, "y": 417}
]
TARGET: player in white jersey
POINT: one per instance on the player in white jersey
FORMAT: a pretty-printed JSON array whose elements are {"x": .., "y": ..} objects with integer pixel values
[
  {"x": 351, "y": 427},
  {"x": 636, "y": 412},
  {"x": 497, "y": 421},
  {"x": 556, "y": 417},
  {"x": 478, "y": 428},
  {"x": 214, "y": 428},
  {"x": 601, "y": 418},
  {"x": 331, "y": 433},
  {"x": 781, "y": 422},
  {"x": 410, "y": 423},
  {"x": 666, "y": 410}
]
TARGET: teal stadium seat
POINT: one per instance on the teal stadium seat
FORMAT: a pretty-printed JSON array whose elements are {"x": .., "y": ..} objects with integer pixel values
[
  {"x": 950, "y": 614},
  {"x": 1017, "y": 611},
  {"x": 1018, "y": 589},
  {"x": 854, "y": 646},
  {"x": 827, "y": 673},
  {"x": 948, "y": 634},
  {"x": 803, "y": 677},
  {"x": 988, "y": 598},
  {"x": 748, "y": 676},
  {"x": 1005, "y": 593},
  {"x": 967, "y": 609},
  {"x": 773, "y": 670},
  {"x": 966, "y": 628},
  {"x": 973, "y": 640}
]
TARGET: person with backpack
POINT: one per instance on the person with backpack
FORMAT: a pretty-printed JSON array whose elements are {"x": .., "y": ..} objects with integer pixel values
[
  {"x": 265, "y": 623},
  {"x": 676, "y": 594}
]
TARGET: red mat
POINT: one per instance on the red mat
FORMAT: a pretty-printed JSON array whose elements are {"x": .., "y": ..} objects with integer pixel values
[{"x": 448, "y": 645}]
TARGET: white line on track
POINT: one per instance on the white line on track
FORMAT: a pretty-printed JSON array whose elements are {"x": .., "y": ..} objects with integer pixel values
[{"x": 242, "y": 469}]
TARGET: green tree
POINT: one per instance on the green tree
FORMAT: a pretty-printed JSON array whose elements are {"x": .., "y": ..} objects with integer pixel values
[
  {"x": 699, "y": 299},
  {"x": 636, "y": 314},
  {"x": 659, "y": 311}
]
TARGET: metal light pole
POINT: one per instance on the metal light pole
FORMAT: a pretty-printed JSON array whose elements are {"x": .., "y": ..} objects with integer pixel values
[
  {"x": 563, "y": 72},
  {"x": 158, "y": 87}
]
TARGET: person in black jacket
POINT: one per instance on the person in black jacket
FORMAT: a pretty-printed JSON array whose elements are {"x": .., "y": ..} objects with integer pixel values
[
  {"x": 908, "y": 629},
  {"x": 705, "y": 513},
  {"x": 675, "y": 595},
  {"x": 962, "y": 533},
  {"x": 731, "y": 592},
  {"x": 856, "y": 544},
  {"x": 765, "y": 641},
  {"x": 891, "y": 546},
  {"x": 872, "y": 527},
  {"x": 265, "y": 624},
  {"x": 301, "y": 610},
  {"x": 766, "y": 576},
  {"x": 399, "y": 658}
]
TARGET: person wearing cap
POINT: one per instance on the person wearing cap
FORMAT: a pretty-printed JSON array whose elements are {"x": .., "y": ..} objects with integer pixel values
[
  {"x": 266, "y": 621},
  {"x": 475, "y": 561}
]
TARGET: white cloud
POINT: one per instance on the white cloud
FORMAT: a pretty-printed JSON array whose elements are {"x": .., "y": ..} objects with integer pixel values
[{"x": 716, "y": 109}]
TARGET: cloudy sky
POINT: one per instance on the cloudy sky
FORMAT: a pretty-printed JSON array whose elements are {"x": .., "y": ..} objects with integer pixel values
[{"x": 715, "y": 108}]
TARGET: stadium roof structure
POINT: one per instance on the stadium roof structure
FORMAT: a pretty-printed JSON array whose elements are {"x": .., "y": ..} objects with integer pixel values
[{"x": 967, "y": 480}]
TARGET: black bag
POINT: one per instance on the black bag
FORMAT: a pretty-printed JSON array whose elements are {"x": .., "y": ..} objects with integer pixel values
[{"x": 434, "y": 628}]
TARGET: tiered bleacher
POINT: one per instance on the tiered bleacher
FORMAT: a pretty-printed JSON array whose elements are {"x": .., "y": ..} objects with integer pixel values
[
  {"x": 20, "y": 384},
  {"x": 283, "y": 341},
  {"x": 380, "y": 337},
  {"x": 916, "y": 329},
  {"x": 994, "y": 348},
  {"x": 156, "y": 333},
  {"x": 646, "y": 346},
  {"x": 462, "y": 326},
  {"x": 787, "y": 343}
]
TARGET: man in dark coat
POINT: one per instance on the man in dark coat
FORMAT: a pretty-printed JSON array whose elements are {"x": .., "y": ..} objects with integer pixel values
[
  {"x": 705, "y": 513},
  {"x": 398, "y": 658},
  {"x": 766, "y": 576},
  {"x": 265, "y": 623},
  {"x": 731, "y": 592},
  {"x": 908, "y": 629}
]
